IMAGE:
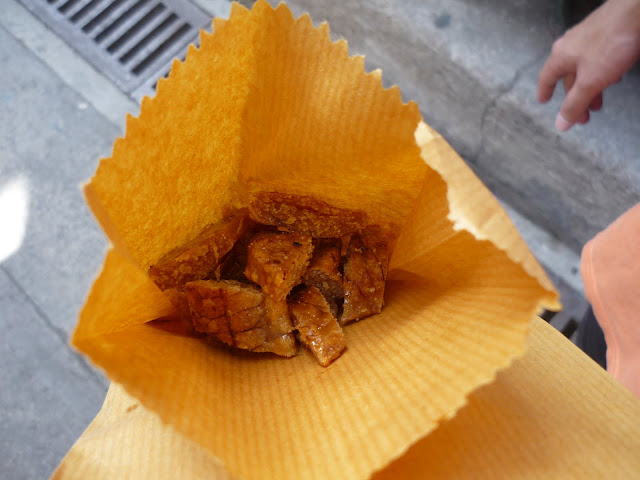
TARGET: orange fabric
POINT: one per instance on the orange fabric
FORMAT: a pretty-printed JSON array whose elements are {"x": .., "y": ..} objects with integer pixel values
[{"x": 611, "y": 274}]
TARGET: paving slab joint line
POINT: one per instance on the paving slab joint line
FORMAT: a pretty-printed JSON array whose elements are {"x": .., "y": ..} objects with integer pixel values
[
  {"x": 501, "y": 93},
  {"x": 58, "y": 332}
]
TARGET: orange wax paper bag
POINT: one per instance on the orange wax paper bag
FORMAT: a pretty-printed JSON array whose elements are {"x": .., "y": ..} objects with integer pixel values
[{"x": 269, "y": 103}]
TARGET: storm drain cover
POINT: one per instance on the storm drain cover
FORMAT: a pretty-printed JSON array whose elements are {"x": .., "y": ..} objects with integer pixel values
[{"x": 132, "y": 42}]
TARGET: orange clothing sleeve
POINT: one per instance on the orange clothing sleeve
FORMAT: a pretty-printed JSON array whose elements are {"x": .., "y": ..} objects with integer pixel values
[{"x": 611, "y": 273}]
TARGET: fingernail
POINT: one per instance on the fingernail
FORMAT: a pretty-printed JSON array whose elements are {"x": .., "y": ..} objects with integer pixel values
[{"x": 562, "y": 124}]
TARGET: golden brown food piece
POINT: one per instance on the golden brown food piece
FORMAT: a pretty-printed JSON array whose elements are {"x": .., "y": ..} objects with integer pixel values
[
  {"x": 344, "y": 245},
  {"x": 276, "y": 261},
  {"x": 365, "y": 273},
  {"x": 234, "y": 263},
  {"x": 181, "y": 305},
  {"x": 180, "y": 321},
  {"x": 179, "y": 301},
  {"x": 237, "y": 315},
  {"x": 318, "y": 329},
  {"x": 278, "y": 315},
  {"x": 305, "y": 215},
  {"x": 299, "y": 242},
  {"x": 323, "y": 271},
  {"x": 200, "y": 257}
]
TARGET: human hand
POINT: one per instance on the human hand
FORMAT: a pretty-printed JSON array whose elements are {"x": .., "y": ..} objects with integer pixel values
[{"x": 589, "y": 57}]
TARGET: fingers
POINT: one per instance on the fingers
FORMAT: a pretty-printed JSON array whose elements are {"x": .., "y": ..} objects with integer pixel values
[
  {"x": 596, "y": 104},
  {"x": 584, "y": 118},
  {"x": 568, "y": 82},
  {"x": 580, "y": 97},
  {"x": 575, "y": 108},
  {"x": 553, "y": 70}
]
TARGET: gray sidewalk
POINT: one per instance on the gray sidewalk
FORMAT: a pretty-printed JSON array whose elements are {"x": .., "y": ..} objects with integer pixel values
[
  {"x": 59, "y": 116},
  {"x": 49, "y": 141}
]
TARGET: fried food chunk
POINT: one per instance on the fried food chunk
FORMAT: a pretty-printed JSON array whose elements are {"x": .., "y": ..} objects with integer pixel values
[
  {"x": 234, "y": 263},
  {"x": 306, "y": 215},
  {"x": 344, "y": 245},
  {"x": 324, "y": 271},
  {"x": 237, "y": 315},
  {"x": 202, "y": 255},
  {"x": 318, "y": 329},
  {"x": 271, "y": 276},
  {"x": 365, "y": 273},
  {"x": 179, "y": 301},
  {"x": 276, "y": 261},
  {"x": 278, "y": 315}
]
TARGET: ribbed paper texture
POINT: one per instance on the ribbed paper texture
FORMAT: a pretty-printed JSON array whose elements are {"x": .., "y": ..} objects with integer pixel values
[
  {"x": 128, "y": 441},
  {"x": 269, "y": 103},
  {"x": 542, "y": 418}
]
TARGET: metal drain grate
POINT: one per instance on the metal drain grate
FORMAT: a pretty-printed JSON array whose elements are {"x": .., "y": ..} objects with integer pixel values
[{"x": 132, "y": 42}]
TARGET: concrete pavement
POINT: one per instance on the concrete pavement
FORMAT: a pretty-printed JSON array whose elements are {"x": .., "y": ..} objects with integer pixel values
[{"x": 50, "y": 141}]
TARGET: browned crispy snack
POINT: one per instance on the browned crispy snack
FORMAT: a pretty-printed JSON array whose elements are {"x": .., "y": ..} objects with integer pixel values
[
  {"x": 179, "y": 301},
  {"x": 278, "y": 315},
  {"x": 323, "y": 271},
  {"x": 344, "y": 245},
  {"x": 318, "y": 329},
  {"x": 181, "y": 321},
  {"x": 235, "y": 262},
  {"x": 202, "y": 255},
  {"x": 237, "y": 315},
  {"x": 365, "y": 273},
  {"x": 253, "y": 285},
  {"x": 305, "y": 215},
  {"x": 276, "y": 261}
]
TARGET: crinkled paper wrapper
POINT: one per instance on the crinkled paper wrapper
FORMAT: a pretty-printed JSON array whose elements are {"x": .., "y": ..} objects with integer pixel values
[{"x": 268, "y": 102}]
